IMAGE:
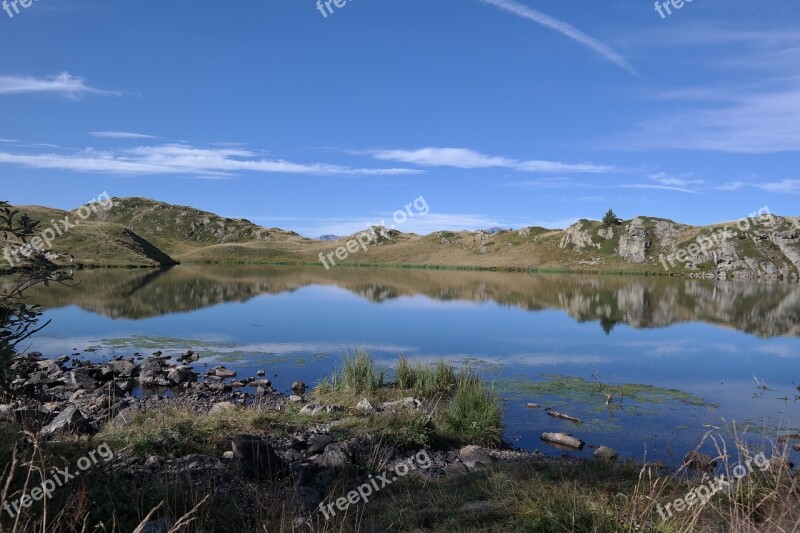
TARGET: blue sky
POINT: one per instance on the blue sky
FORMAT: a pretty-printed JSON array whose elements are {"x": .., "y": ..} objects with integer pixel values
[{"x": 498, "y": 112}]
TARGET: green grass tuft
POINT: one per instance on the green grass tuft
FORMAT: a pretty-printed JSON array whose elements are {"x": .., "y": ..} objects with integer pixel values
[{"x": 474, "y": 414}]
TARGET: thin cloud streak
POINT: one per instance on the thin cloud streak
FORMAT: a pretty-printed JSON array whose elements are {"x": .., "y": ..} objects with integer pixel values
[
  {"x": 63, "y": 83},
  {"x": 181, "y": 159},
  {"x": 120, "y": 135},
  {"x": 465, "y": 158},
  {"x": 564, "y": 28}
]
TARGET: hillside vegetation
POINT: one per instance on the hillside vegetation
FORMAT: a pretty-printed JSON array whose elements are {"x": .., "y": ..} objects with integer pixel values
[
  {"x": 137, "y": 230},
  {"x": 93, "y": 243},
  {"x": 181, "y": 229}
]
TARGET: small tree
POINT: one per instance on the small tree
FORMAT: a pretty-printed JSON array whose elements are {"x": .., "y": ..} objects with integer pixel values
[
  {"x": 611, "y": 218},
  {"x": 19, "y": 320}
]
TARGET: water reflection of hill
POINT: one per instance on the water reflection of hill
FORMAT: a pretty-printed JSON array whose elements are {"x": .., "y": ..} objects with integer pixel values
[{"x": 641, "y": 302}]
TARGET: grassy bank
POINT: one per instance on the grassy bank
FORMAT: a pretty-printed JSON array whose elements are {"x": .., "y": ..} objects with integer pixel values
[{"x": 159, "y": 456}]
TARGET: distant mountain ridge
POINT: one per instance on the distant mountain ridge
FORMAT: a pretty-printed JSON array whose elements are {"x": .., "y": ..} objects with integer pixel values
[{"x": 150, "y": 233}]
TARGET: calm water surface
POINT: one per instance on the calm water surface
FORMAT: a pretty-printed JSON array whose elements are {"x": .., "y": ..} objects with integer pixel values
[{"x": 715, "y": 342}]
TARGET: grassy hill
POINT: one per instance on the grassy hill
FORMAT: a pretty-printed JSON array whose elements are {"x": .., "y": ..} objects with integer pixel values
[
  {"x": 179, "y": 229},
  {"x": 94, "y": 243},
  {"x": 138, "y": 230}
]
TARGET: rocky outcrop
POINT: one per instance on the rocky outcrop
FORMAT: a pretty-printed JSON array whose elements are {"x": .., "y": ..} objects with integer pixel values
[
  {"x": 634, "y": 242},
  {"x": 578, "y": 236}
]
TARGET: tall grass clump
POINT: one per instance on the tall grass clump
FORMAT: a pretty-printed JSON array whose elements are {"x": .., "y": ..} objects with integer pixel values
[
  {"x": 474, "y": 414},
  {"x": 426, "y": 379},
  {"x": 358, "y": 374}
]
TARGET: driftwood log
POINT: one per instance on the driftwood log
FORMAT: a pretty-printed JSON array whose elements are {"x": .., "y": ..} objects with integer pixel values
[
  {"x": 563, "y": 439},
  {"x": 556, "y": 414}
]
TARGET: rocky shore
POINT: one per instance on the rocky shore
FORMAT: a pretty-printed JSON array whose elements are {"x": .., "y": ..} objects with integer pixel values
[{"x": 54, "y": 399}]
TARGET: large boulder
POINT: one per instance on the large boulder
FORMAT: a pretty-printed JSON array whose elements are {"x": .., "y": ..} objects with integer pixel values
[
  {"x": 336, "y": 457},
  {"x": 82, "y": 378},
  {"x": 181, "y": 374},
  {"x": 124, "y": 368},
  {"x": 70, "y": 419}
]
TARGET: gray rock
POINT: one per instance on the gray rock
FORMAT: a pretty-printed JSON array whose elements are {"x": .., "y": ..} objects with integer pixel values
[
  {"x": 220, "y": 407},
  {"x": 49, "y": 367},
  {"x": 70, "y": 419},
  {"x": 311, "y": 409},
  {"x": 181, "y": 374},
  {"x": 475, "y": 457},
  {"x": 455, "y": 469},
  {"x": 255, "y": 458},
  {"x": 336, "y": 457},
  {"x": 364, "y": 407},
  {"x": 126, "y": 416},
  {"x": 80, "y": 378},
  {"x": 634, "y": 242},
  {"x": 604, "y": 453},
  {"x": 318, "y": 443},
  {"x": 299, "y": 387},
  {"x": 222, "y": 372},
  {"x": 405, "y": 403},
  {"x": 124, "y": 369}
]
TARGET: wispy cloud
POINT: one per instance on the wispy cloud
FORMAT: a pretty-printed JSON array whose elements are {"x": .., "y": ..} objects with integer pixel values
[
  {"x": 753, "y": 122},
  {"x": 466, "y": 158},
  {"x": 564, "y": 28},
  {"x": 791, "y": 186},
  {"x": 120, "y": 135},
  {"x": 181, "y": 159},
  {"x": 754, "y": 111},
  {"x": 666, "y": 182},
  {"x": 651, "y": 186},
  {"x": 64, "y": 83},
  {"x": 661, "y": 180}
]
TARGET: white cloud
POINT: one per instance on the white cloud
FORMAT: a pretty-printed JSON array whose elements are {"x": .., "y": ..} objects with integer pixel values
[
  {"x": 64, "y": 83},
  {"x": 784, "y": 187},
  {"x": 181, "y": 159},
  {"x": 662, "y": 178},
  {"x": 655, "y": 187},
  {"x": 789, "y": 186},
  {"x": 466, "y": 158},
  {"x": 565, "y": 29},
  {"x": 119, "y": 135}
]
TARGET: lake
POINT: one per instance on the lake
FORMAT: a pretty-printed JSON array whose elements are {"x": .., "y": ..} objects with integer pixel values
[{"x": 683, "y": 357}]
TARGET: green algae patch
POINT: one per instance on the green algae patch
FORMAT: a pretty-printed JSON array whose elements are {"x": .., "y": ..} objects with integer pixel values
[{"x": 575, "y": 390}]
